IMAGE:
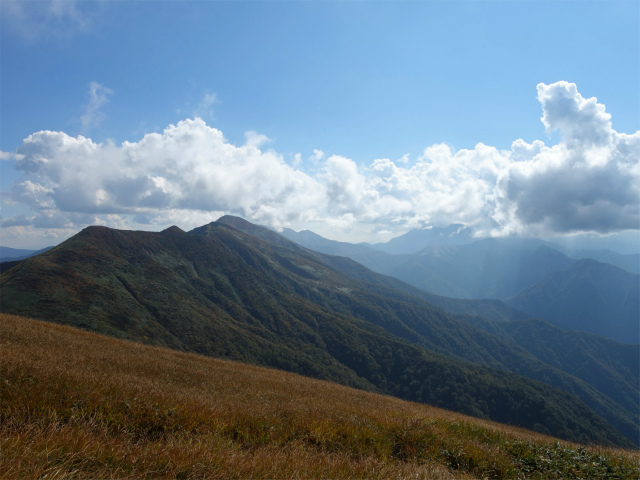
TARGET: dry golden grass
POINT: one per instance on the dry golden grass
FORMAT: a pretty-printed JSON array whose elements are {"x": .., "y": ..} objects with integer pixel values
[{"x": 78, "y": 405}]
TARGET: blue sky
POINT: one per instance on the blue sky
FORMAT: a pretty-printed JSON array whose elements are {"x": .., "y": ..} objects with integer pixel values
[{"x": 356, "y": 119}]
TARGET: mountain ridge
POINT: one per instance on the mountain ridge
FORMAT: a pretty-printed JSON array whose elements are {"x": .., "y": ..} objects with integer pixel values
[{"x": 580, "y": 296}]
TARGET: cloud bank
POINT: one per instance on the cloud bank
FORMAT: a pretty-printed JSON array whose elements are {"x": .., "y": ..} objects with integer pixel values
[{"x": 189, "y": 175}]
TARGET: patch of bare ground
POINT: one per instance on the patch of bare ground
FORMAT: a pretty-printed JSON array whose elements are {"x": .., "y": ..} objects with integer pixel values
[{"x": 79, "y": 405}]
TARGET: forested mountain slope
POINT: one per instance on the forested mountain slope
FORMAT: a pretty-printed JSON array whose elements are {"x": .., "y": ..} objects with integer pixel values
[{"x": 588, "y": 296}]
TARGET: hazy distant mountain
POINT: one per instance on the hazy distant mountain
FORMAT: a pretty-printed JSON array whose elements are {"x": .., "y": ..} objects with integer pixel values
[
  {"x": 318, "y": 243},
  {"x": 8, "y": 254},
  {"x": 623, "y": 243},
  {"x": 493, "y": 268},
  {"x": 588, "y": 296},
  {"x": 222, "y": 292},
  {"x": 330, "y": 250},
  {"x": 417, "y": 239},
  {"x": 629, "y": 262},
  {"x": 489, "y": 268},
  {"x": 368, "y": 256}
]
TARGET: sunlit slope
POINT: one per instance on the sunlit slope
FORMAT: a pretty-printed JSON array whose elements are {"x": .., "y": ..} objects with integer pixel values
[
  {"x": 76, "y": 404},
  {"x": 223, "y": 293}
]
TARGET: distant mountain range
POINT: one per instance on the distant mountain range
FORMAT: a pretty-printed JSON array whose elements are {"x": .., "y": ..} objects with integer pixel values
[
  {"x": 629, "y": 262},
  {"x": 235, "y": 290},
  {"x": 415, "y": 240},
  {"x": 12, "y": 254},
  {"x": 532, "y": 276},
  {"x": 588, "y": 296}
]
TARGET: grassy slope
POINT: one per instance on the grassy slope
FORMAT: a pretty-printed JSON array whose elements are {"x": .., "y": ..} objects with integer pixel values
[{"x": 76, "y": 404}]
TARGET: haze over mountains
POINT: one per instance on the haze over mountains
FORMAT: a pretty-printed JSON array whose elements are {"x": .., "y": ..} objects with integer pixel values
[
  {"x": 589, "y": 290},
  {"x": 11, "y": 254},
  {"x": 235, "y": 290}
]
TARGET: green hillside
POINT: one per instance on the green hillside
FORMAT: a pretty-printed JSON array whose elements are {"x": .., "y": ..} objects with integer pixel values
[{"x": 609, "y": 366}]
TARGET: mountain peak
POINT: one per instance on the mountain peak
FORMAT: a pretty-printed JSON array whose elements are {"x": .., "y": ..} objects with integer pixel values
[
  {"x": 233, "y": 221},
  {"x": 172, "y": 230},
  {"x": 415, "y": 240}
]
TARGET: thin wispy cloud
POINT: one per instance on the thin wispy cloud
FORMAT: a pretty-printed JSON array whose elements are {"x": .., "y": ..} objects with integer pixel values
[
  {"x": 93, "y": 114},
  {"x": 34, "y": 21},
  {"x": 202, "y": 108},
  {"x": 9, "y": 156},
  {"x": 205, "y": 106}
]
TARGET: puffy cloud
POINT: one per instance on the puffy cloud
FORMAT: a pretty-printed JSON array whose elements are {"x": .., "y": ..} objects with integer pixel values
[
  {"x": 582, "y": 122},
  {"x": 33, "y": 194},
  {"x": 588, "y": 182},
  {"x": 564, "y": 190},
  {"x": 442, "y": 187},
  {"x": 344, "y": 185},
  {"x": 188, "y": 167},
  {"x": 189, "y": 175}
]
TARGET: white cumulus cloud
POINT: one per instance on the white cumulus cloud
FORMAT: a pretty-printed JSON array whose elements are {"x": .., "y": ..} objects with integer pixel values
[
  {"x": 582, "y": 122},
  {"x": 190, "y": 174},
  {"x": 189, "y": 166},
  {"x": 590, "y": 181}
]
